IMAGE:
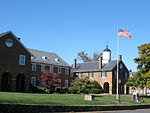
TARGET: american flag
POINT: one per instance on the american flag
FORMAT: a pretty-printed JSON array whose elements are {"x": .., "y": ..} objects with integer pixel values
[{"x": 123, "y": 33}]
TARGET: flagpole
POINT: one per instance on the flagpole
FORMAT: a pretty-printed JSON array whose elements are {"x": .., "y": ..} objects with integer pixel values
[{"x": 117, "y": 83}]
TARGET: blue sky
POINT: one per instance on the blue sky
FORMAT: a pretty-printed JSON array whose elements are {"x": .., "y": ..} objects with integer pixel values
[{"x": 66, "y": 27}]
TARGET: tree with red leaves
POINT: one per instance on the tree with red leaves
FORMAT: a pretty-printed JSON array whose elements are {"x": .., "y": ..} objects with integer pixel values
[{"x": 50, "y": 79}]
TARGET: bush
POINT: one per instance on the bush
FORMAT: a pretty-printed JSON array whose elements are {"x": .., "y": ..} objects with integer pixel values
[
  {"x": 37, "y": 89},
  {"x": 58, "y": 90},
  {"x": 95, "y": 91},
  {"x": 96, "y": 85},
  {"x": 72, "y": 90},
  {"x": 64, "y": 90},
  {"x": 84, "y": 86}
]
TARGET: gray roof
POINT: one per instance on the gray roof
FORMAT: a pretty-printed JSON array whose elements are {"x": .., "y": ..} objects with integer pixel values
[
  {"x": 47, "y": 58},
  {"x": 94, "y": 66}
]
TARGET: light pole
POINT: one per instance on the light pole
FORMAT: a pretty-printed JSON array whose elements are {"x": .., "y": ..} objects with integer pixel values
[{"x": 119, "y": 81}]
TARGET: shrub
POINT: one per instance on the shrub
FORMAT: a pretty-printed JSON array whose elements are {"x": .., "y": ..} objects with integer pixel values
[
  {"x": 96, "y": 85},
  {"x": 84, "y": 85},
  {"x": 37, "y": 89},
  {"x": 58, "y": 90},
  {"x": 95, "y": 91},
  {"x": 72, "y": 90},
  {"x": 64, "y": 90}
]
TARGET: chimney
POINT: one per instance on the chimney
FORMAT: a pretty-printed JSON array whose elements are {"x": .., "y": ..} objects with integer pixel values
[
  {"x": 120, "y": 58},
  {"x": 100, "y": 63},
  {"x": 75, "y": 64}
]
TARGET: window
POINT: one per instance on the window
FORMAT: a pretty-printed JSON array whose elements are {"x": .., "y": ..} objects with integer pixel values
[
  {"x": 121, "y": 66},
  {"x": 71, "y": 74},
  {"x": 66, "y": 83},
  {"x": 22, "y": 59},
  {"x": 33, "y": 67},
  {"x": 67, "y": 71},
  {"x": 59, "y": 70},
  {"x": 80, "y": 75},
  {"x": 42, "y": 68},
  {"x": 33, "y": 81},
  {"x": 126, "y": 76},
  {"x": 40, "y": 83},
  {"x": 51, "y": 69},
  {"x": 90, "y": 74},
  {"x": 104, "y": 74}
]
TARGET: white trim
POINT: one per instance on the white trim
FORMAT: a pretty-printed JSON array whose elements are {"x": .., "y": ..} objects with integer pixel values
[
  {"x": 59, "y": 70},
  {"x": 22, "y": 60}
]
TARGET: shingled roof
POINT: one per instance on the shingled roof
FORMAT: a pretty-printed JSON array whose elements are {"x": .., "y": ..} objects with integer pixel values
[
  {"x": 94, "y": 66},
  {"x": 47, "y": 58}
]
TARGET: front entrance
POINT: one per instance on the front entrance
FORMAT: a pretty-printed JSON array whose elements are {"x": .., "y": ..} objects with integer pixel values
[
  {"x": 20, "y": 83},
  {"x": 6, "y": 82},
  {"x": 106, "y": 87}
]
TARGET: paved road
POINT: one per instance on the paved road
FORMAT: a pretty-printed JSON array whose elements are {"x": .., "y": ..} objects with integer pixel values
[{"x": 124, "y": 111}]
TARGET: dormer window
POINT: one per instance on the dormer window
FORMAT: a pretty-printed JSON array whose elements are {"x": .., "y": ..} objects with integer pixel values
[
  {"x": 44, "y": 58},
  {"x": 56, "y": 59},
  {"x": 33, "y": 57}
]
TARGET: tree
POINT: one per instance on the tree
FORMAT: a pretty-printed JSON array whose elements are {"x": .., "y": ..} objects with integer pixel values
[
  {"x": 49, "y": 79},
  {"x": 142, "y": 78},
  {"x": 85, "y": 58}
]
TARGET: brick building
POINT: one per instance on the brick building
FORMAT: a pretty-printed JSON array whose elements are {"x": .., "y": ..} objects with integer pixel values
[
  {"x": 15, "y": 63},
  {"x": 44, "y": 60},
  {"x": 20, "y": 66},
  {"x": 104, "y": 72}
]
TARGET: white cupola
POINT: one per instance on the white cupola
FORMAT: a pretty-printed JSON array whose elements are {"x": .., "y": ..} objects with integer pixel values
[{"x": 106, "y": 55}]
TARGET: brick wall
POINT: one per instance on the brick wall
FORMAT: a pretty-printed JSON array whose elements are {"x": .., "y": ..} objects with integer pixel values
[{"x": 9, "y": 62}]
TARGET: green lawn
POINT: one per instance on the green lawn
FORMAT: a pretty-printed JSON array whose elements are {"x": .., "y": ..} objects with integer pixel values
[{"x": 64, "y": 99}]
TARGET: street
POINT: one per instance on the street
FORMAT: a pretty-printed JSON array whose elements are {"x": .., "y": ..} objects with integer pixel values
[{"x": 123, "y": 111}]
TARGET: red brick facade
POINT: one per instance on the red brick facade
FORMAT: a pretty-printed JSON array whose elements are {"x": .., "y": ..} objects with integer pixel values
[
  {"x": 104, "y": 72},
  {"x": 63, "y": 75},
  {"x": 16, "y": 72},
  {"x": 13, "y": 76}
]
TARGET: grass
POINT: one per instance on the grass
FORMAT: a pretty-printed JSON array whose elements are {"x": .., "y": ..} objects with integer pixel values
[{"x": 65, "y": 99}]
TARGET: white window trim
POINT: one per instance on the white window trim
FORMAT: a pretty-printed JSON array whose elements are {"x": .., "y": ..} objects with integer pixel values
[
  {"x": 33, "y": 81},
  {"x": 102, "y": 74},
  {"x": 66, "y": 71},
  {"x": 42, "y": 69},
  {"x": 66, "y": 83},
  {"x": 90, "y": 74},
  {"x": 126, "y": 75},
  {"x": 51, "y": 69},
  {"x": 20, "y": 60},
  {"x": 33, "y": 67},
  {"x": 80, "y": 75},
  {"x": 59, "y": 70}
]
